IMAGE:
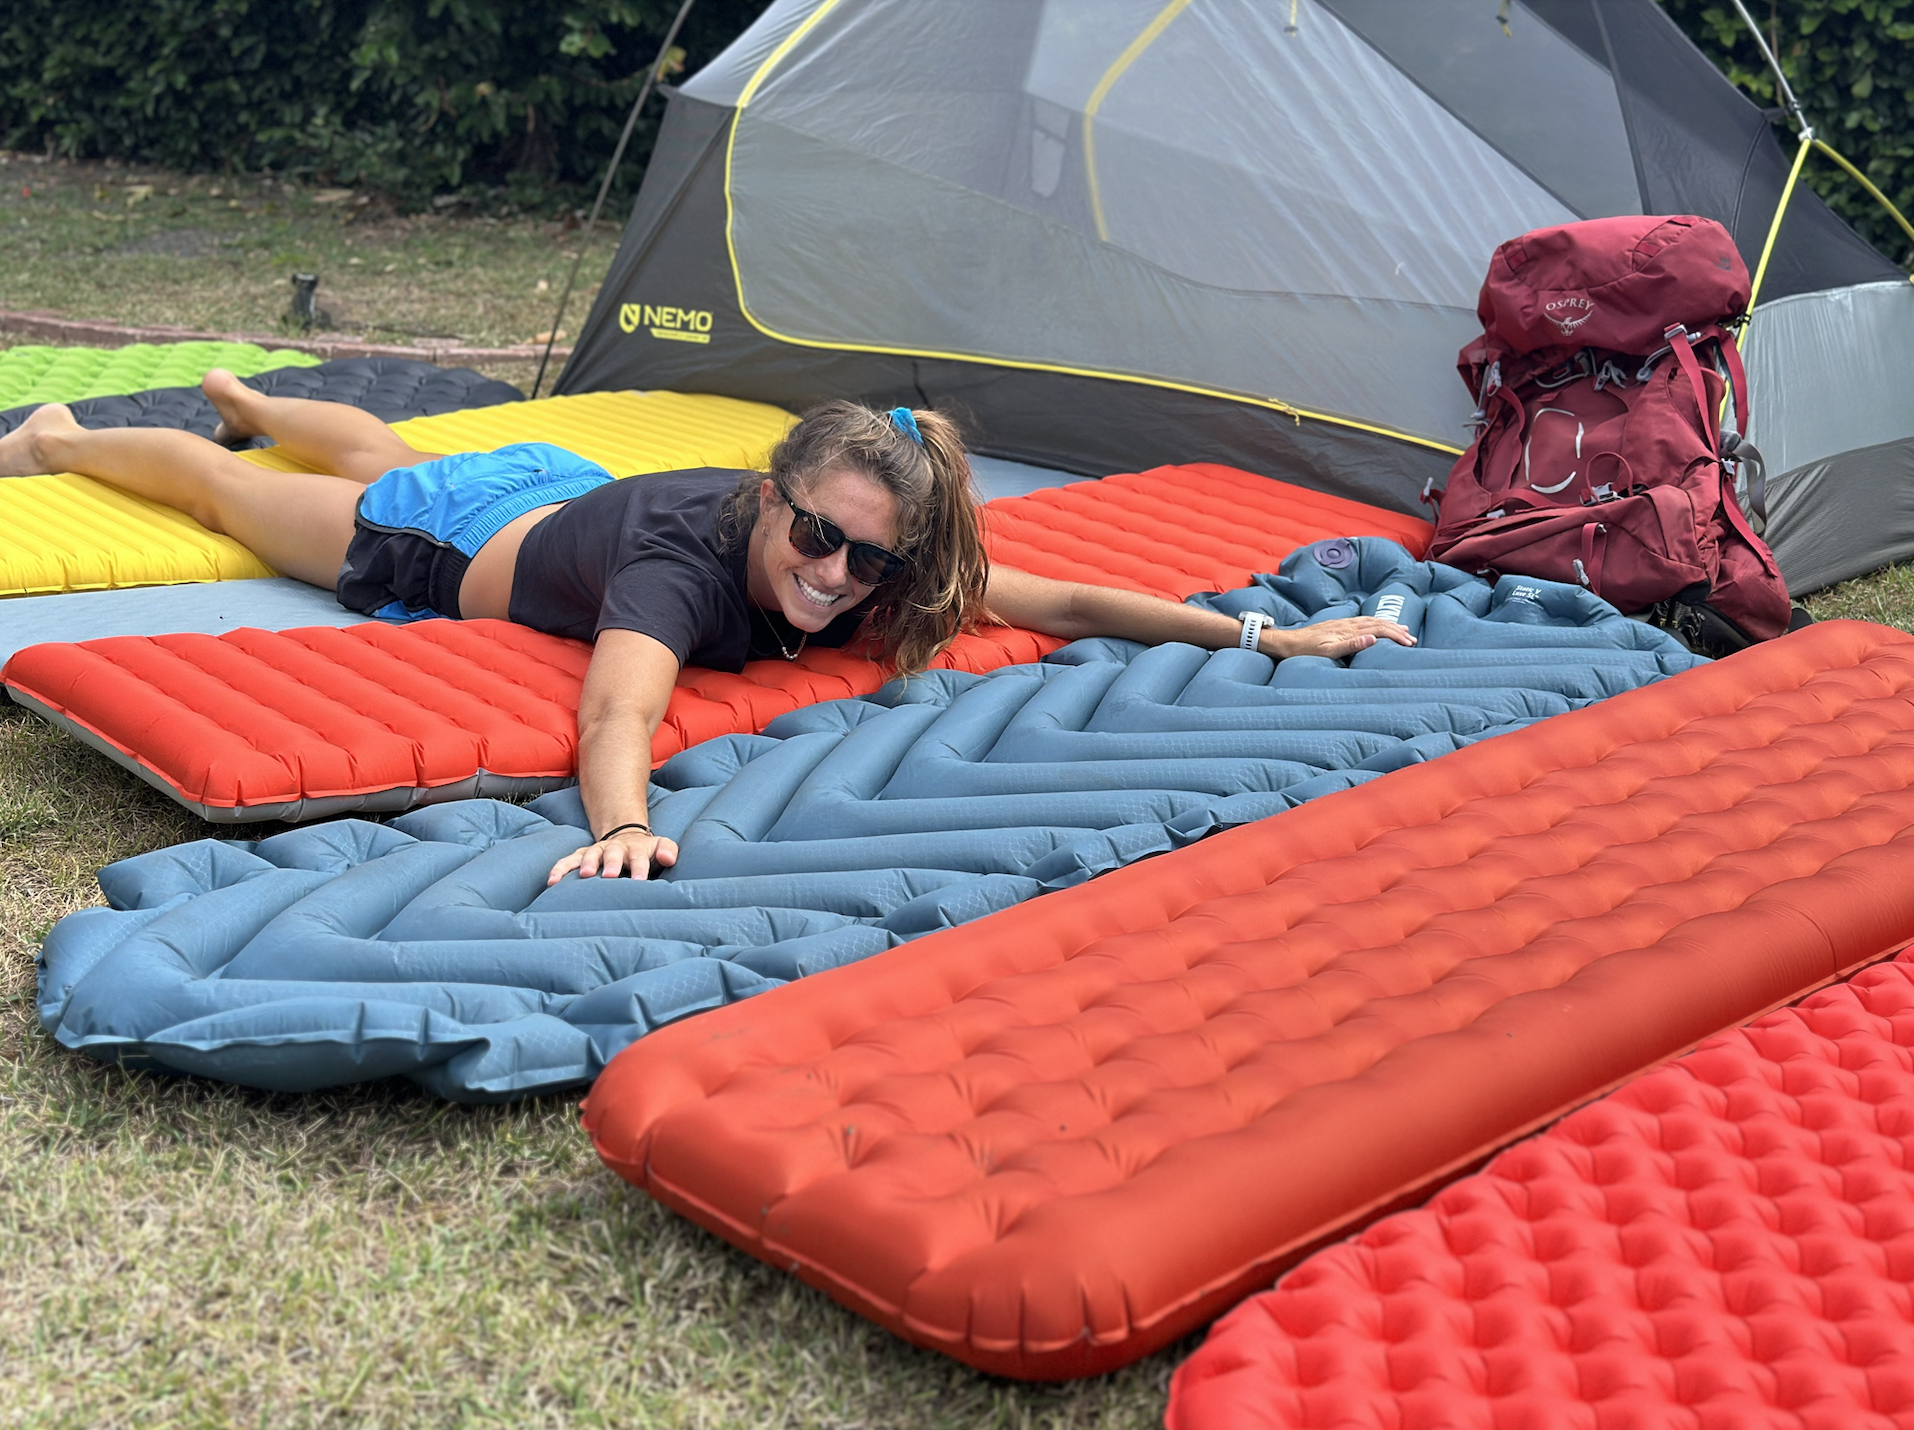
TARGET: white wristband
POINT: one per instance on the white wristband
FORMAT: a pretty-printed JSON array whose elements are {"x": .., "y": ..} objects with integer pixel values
[{"x": 1253, "y": 623}]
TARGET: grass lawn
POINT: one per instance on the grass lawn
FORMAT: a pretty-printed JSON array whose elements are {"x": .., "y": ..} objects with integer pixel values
[
  {"x": 142, "y": 246},
  {"x": 182, "y": 1253}
]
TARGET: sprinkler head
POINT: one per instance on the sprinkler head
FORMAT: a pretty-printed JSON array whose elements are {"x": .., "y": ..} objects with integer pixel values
[{"x": 304, "y": 311}]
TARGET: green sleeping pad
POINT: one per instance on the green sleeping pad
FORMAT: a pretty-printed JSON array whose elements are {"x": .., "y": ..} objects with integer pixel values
[{"x": 42, "y": 374}]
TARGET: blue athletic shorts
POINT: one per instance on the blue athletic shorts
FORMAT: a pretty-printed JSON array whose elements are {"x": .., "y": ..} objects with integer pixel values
[{"x": 418, "y": 528}]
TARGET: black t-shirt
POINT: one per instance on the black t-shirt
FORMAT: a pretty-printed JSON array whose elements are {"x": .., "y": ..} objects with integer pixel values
[{"x": 642, "y": 555}]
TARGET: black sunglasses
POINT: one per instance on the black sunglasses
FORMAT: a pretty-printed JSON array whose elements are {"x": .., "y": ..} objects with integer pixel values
[{"x": 814, "y": 537}]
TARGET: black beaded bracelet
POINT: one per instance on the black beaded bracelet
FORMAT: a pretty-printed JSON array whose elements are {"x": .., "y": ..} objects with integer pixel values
[{"x": 635, "y": 824}]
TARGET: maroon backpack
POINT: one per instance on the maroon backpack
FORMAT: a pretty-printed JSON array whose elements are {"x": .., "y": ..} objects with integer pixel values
[{"x": 1598, "y": 459}]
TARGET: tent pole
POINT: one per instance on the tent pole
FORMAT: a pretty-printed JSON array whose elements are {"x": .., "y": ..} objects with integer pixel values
[
  {"x": 1809, "y": 140},
  {"x": 1792, "y": 107},
  {"x": 1789, "y": 102},
  {"x": 1865, "y": 182},
  {"x": 1780, "y": 211},
  {"x": 604, "y": 188}
]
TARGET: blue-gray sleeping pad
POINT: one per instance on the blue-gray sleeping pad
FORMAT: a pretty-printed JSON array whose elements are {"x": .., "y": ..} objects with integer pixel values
[{"x": 430, "y": 947}]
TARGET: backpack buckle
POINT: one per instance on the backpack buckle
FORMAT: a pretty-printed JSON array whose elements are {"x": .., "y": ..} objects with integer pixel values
[
  {"x": 1572, "y": 370},
  {"x": 1675, "y": 332},
  {"x": 1609, "y": 372},
  {"x": 1604, "y": 493}
]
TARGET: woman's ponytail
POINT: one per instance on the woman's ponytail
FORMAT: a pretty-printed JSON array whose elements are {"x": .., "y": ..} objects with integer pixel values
[
  {"x": 918, "y": 456},
  {"x": 944, "y": 589}
]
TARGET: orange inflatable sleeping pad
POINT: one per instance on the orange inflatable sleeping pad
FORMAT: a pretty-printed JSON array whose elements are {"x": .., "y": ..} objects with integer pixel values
[
  {"x": 301, "y": 724},
  {"x": 1060, "y": 1137},
  {"x": 1725, "y": 1243}
]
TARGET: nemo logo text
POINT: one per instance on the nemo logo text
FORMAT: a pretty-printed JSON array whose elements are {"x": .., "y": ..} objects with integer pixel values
[{"x": 662, "y": 320}]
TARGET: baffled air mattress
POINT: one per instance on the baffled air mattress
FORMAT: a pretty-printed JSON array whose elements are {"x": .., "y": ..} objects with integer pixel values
[
  {"x": 30, "y": 375},
  {"x": 431, "y": 946},
  {"x": 1063, "y": 1136},
  {"x": 271, "y": 603},
  {"x": 307, "y": 723},
  {"x": 69, "y": 533},
  {"x": 391, "y": 389},
  {"x": 1727, "y": 1242}
]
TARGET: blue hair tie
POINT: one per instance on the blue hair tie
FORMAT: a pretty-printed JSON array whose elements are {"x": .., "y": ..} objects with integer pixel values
[{"x": 904, "y": 422}]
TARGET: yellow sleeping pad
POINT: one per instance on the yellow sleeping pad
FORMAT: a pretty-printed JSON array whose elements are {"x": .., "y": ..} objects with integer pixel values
[{"x": 69, "y": 533}]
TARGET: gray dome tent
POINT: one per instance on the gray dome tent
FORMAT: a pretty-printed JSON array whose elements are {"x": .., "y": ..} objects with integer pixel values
[{"x": 1116, "y": 233}]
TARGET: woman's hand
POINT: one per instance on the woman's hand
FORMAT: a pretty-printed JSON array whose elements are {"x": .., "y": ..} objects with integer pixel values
[
  {"x": 626, "y": 692},
  {"x": 628, "y": 853},
  {"x": 1334, "y": 638}
]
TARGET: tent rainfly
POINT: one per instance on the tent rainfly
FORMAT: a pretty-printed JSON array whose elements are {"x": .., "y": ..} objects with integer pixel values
[{"x": 1116, "y": 233}]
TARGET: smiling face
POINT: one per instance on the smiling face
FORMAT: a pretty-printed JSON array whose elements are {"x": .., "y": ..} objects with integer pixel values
[{"x": 811, "y": 592}]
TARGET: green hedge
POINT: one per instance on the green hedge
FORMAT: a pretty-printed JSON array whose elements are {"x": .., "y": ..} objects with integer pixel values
[
  {"x": 409, "y": 97},
  {"x": 416, "y": 97},
  {"x": 1851, "y": 65}
]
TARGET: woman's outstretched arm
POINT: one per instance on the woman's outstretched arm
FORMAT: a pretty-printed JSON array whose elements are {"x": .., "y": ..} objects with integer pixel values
[
  {"x": 627, "y": 688},
  {"x": 1073, "y": 611}
]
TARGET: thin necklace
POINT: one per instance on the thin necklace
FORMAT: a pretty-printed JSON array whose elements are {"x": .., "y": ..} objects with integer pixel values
[{"x": 784, "y": 649}]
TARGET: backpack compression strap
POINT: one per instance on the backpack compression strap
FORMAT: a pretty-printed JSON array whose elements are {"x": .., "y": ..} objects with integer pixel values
[{"x": 1677, "y": 337}]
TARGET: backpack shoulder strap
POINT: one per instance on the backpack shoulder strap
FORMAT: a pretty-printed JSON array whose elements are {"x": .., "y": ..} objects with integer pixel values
[
  {"x": 1678, "y": 339},
  {"x": 1737, "y": 374}
]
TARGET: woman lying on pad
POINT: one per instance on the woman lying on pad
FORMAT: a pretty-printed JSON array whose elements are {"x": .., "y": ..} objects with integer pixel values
[{"x": 865, "y": 522}]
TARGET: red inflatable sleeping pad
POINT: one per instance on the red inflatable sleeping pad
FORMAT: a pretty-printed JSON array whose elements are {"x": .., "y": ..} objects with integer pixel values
[
  {"x": 1726, "y": 1243},
  {"x": 306, "y": 723},
  {"x": 1057, "y": 1138}
]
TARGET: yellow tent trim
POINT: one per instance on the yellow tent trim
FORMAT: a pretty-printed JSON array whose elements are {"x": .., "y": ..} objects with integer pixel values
[
  {"x": 1272, "y": 404},
  {"x": 1809, "y": 141},
  {"x": 776, "y": 57},
  {"x": 1865, "y": 182},
  {"x": 1774, "y": 226},
  {"x": 1110, "y": 76}
]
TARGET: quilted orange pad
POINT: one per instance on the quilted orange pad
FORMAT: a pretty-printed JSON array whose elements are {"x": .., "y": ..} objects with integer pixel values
[
  {"x": 1059, "y": 1137},
  {"x": 1727, "y": 1242},
  {"x": 305, "y": 723}
]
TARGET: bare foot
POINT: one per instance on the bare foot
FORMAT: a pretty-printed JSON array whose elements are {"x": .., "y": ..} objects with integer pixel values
[
  {"x": 25, "y": 451},
  {"x": 226, "y": 393}
]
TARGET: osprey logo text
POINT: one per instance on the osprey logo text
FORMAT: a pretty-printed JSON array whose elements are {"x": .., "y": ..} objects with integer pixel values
[
  {"x": 683, "y": 325},
  {"x": 1568, "y": 313}
]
